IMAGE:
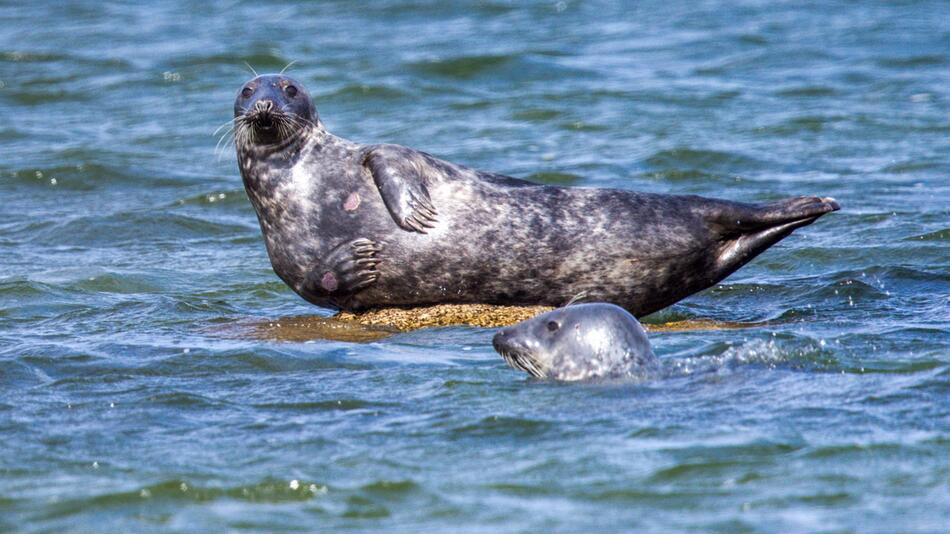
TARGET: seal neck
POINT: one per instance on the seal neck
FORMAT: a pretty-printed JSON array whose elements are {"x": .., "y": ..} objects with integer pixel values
[{"x": 265, "y": 169}]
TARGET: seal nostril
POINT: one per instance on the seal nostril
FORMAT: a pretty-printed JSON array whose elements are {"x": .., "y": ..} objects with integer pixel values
[{"x": 263, "y": 113}]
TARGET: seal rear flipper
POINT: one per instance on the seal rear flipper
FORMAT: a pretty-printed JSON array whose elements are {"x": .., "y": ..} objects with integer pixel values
[
  {"x": 734, "y": 218},
  {"x": 401, "y": 175},
  {"x": 791, "y": 210},
  {"x": 749, "y": 230}
]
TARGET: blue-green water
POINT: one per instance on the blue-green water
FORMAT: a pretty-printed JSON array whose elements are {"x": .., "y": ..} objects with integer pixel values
[{"x": 128, "y": 253}]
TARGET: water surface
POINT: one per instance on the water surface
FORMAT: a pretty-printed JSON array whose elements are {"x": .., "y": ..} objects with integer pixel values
[{"x": 127, "y": 244}]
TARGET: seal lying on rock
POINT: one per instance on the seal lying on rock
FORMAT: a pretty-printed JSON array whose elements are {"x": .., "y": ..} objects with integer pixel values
[
  {"x": 578, "y": 342},
  {"x": 356, "y": 226}
]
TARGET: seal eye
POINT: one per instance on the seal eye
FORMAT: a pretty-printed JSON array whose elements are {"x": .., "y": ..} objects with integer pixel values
[
  {"x": 247, "y": 92},
  {"x": 553, "y": 326},
  {"x": 291, "y": 91}
]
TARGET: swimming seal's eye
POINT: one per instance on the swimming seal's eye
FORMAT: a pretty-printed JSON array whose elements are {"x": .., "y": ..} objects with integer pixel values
[
  {"x": 291, "y": 91},
  {"x": 553, "y": 326},
  {"x": 247, "y": 92}
]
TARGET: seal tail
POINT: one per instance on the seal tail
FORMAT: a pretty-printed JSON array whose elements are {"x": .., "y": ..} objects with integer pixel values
[{"x": 749, "y": 230}]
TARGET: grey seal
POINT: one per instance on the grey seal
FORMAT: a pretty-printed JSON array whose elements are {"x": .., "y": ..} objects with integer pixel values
[
  {"x": 355, "y": 226},
  {"x": 578, "y": 342}
]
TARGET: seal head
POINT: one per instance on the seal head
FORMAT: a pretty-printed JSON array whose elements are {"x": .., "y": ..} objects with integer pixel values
[
  {"x": 271, "y": 110},
  {"x": 578, "y": 342}
]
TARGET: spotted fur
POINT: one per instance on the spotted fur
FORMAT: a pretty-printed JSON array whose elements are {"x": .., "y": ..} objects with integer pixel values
[{"x": 445, "y": 233}]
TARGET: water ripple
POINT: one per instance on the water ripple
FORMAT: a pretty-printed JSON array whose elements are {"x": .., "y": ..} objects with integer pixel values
[{"x": 144, "y": 386}]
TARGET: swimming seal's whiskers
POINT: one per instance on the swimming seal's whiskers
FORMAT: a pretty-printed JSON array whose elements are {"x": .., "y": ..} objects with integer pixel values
[
  {"x": 577, "y": 298},
  {"x": 522, "y": 361},
  {"x": 531, "y": 366},
  {"x": 248, "y": 65},
  {"x": 509, "y": 359}
]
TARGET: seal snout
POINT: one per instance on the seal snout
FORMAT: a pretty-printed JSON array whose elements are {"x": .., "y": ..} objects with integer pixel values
[
  {"x": 501, "y": 340},
  {"x": 516, "y": 355},
  {"x": 264, "y": 105},
  {"x": 263, "y": 113}
]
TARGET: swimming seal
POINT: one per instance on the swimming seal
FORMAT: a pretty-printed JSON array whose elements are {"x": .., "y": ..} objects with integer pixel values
[
  {"x": 578, "y": 342},
  {"x": 356, "y": 226}
]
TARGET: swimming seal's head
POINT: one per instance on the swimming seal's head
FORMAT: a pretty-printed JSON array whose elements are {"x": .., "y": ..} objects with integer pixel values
[
  {"x": 578, "y": 342},
  {"x": 272, "y": 109}
]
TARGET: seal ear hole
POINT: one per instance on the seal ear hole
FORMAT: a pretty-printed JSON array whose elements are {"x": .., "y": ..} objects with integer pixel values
[
  {"x": 553, "y": 326},
  {"x": 247, "y": 92},
  {"x": 291, "y": 91}
]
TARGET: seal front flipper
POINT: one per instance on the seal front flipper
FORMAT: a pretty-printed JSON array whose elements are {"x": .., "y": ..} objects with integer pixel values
[
  {"x": 348, "y": 268},
  {"x": 402, "y": 176}
]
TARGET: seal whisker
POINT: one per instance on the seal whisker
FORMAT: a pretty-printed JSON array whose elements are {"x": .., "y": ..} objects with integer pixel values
[
  {"x": 235, "y": 127},
  {"x": 227, "y": 123},
  {"x": 301, "y": 123},
  {"x": 287, "y": 66},
  {"x": 226, "y": 133},
  {"x": 252, "y": 69},
  {"x": 577, "y": 298},
  {"x": 281, "y": 126},
  {"x": 531, "y": 366},
  {"x": 225, "y": 138},
  {"x": 224, "y": 141},
  {"x": 243, "y": 136},
  {"x": 291, "y": 125},
  {"x": 521, "y": 361},
  {"x": 510, "y": 360}
]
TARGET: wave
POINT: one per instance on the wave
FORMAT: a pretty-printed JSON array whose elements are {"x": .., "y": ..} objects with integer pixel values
[
  {"x": 769, "y": 354},
  {"x": 230, "y": 197},
  {"x": 338, "y": 405},
  {"x": 914, "y": 61},
  {"x": 502, "y": 427},
  {"x": 134, "y": 227},
  {"x": 362, "y": 92},
  {"x": 507, "y": 67},
  {"x": 86, "y": 174},
  {"x": 807, "y": 91},
  {"x": 261, "y": 61},
  {"x": 939, "y": 235},
  {"x": 266, "y": 491},
  {"x": 702, "y": 160}
]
